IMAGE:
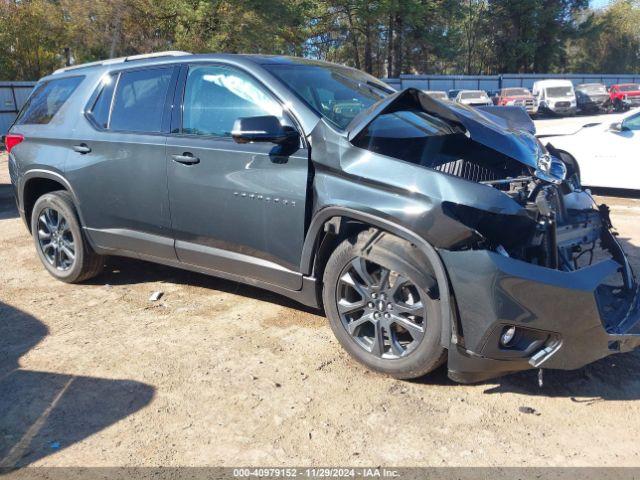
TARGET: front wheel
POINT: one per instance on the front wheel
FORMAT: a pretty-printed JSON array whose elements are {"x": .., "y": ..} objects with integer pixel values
[{"x": 382, "y": 301}]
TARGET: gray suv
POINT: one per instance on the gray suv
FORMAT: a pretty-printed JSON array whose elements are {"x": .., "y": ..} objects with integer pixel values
[{"x": 428, "y": 231}]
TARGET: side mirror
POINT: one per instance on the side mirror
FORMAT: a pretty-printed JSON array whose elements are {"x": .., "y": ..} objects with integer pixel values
[
  {"x": 618, "y": 127},
  {"x": 263, "y": 129}
]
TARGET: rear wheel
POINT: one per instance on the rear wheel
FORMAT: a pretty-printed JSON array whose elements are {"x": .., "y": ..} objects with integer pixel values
[
  {"x": 381, "y": 298},
  {"x": 59, "y": 240}
]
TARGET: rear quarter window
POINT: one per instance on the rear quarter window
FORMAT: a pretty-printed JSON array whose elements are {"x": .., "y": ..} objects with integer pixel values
[{"x": 46, "y": 100}]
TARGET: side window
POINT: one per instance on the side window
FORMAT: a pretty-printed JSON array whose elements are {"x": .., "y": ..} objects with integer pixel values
[
  {"x": 102, "y": 105},
  {"x": 140, "y": 99},
  {"x": 633, "y": 123},
  {"x": 46, "y": 100},
  {"x": 216, "y": 96}
]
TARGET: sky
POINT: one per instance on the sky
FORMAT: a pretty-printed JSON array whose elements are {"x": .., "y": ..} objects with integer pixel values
[{"x": 599, "y": 3}]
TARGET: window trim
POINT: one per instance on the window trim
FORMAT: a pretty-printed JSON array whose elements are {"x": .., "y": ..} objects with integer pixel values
[
  {"x": 178, "y": 113},
  {"x": 116, "y": 75}
]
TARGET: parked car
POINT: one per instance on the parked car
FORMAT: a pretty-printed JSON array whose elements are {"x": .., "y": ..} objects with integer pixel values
[
  {"x": 592, "y": 98},
  {"x": 607, "y": 153},
  {"x": 517, "y": 97},
  {"x": 438, "y": 94},
  {"x": 624, "y": 96},
  {"x": 453, "y": 94},
  {"x": 473, "y": 98},
  {"x": 555, "y": 97},
  {"x": 424, "y": 229},
  {"x": 493, "y": 95}
]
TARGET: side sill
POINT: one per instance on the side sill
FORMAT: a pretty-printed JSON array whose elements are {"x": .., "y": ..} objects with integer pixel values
[
  {"x": 210, "y": 261},
  {"x": 306, "y": 295}
]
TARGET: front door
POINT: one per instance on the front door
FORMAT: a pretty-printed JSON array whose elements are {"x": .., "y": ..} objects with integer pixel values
[{"x": 237, "y": 208}]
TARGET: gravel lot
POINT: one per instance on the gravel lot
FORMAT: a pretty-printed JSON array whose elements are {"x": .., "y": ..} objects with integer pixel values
[{"x": 216, "y": 373}]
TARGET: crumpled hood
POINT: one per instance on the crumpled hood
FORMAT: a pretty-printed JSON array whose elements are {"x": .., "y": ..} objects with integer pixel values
[{"x": 483, "y": 127}]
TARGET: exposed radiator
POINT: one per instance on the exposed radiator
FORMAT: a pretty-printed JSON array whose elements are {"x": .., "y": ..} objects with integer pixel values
[{"x": 469, "y": 171}]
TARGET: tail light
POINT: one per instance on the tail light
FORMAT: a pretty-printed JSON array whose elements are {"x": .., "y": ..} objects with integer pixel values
[{"x": 11, "y": 140}]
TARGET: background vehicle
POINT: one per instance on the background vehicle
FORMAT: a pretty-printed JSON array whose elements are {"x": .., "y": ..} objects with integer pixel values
[
  {"x": 625, "y": 96},
  {"x": 473, "y": 98},
  {"x": 453, "y": 94},
  {"x": 440, "y": 95},
  {"x": 391, "y": 210},
  {"x": 607, "y": 153},
  {"x": 592, "y": 97},
  {"x": 517, "y": 97},
  {"x": 555, "y": 97}
]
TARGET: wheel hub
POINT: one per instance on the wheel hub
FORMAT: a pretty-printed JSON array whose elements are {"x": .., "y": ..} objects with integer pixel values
[{"x": 380, "y": 309}]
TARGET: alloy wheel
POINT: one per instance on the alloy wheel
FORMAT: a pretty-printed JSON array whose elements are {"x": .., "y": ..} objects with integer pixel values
[
  {"x": 55, "y": 239},
  {"x": 382, "y": 310}
]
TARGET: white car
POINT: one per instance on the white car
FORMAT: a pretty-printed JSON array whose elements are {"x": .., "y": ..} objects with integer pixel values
[
  {"x": 608, "y": 154},
  {"x": 474, "y": 98}
]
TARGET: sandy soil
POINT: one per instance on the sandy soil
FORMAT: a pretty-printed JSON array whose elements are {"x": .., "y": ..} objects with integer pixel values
[{"x": 215, "y": 373}]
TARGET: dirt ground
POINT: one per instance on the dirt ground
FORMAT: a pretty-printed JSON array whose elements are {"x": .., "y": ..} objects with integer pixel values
[{"x": 220, "y": 374}]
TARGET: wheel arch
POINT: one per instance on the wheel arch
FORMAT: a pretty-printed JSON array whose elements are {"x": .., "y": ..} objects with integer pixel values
[
  {"x": 331, "y": 225},
  {"x": 36, "y": 183}
]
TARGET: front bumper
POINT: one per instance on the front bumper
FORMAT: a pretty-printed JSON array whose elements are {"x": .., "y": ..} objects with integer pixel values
[
  {"x": 570, "y": 110},
  {"x": 565, "y": 319}
]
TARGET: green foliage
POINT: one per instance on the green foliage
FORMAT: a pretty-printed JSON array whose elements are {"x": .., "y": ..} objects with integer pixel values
[{"x": 384, "y": 37}]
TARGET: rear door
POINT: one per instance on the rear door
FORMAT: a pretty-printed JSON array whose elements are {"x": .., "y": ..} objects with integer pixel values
[
  {"x": 118, "y": 167},
  {"x": 235, "y": 208}
]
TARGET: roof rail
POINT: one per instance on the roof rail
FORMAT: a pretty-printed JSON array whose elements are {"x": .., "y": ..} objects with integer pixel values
[{"x": 130, "y": 58}]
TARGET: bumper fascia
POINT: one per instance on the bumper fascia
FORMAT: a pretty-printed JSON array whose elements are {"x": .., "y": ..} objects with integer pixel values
[{"x": 562, "y": 308}]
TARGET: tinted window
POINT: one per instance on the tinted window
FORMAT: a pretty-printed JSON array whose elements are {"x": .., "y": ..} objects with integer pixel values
[
  {"x": 47, "y": 99},
  {"x": 102, "y": 106},
  {"x": 629, "y": 88},
  {"x": 216, "y": 96},
  {"x": 140, "y": 99},
  {"x": 471, "y": 95},
  {"x": 515, "y": 91},
  {"x": 559, "y": 92},
  {"x": 336, "y": 93}
]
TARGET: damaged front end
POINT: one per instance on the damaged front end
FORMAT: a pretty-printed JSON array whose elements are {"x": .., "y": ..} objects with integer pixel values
[{"x": 542, "y": 283}]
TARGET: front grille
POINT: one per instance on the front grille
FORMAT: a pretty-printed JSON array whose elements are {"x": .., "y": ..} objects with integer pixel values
[{"x": 563, "y": 104}]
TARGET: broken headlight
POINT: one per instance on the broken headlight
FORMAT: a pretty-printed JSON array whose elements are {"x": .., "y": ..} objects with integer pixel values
[{"x": 549, "y": 168}]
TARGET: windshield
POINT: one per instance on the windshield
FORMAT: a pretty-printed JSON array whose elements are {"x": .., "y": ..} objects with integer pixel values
[
  {"x": 593, "y": 88},
  {"x": 438, "y": 95},
  {"x": 511, "y": 92},
  {"x": 468, "y": 95},
  {"x": 559, "y": 92},
  {"x": 630, "y": 88},
  {"x": 338, "y": 94}
]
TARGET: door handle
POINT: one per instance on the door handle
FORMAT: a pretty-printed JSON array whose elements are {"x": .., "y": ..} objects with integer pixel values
[
  {"x": 186, "y": 158},
  {"x": 82, "y": 148}
]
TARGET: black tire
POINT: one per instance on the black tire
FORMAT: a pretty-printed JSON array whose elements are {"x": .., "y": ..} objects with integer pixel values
[
  {"x": 573, "y": 168},
  {"x": 404, "y": 352},
  {"x": 52, "y": 212}
]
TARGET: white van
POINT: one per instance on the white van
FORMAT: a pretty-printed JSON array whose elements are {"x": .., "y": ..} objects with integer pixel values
[{"x": 555, "y": 96}]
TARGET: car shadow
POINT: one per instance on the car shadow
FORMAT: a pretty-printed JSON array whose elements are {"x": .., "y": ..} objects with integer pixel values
[
  {"x": 44, "y": 412},
  {"x": 611, "y": 378},
  {"x": 128, "y": 271}
]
